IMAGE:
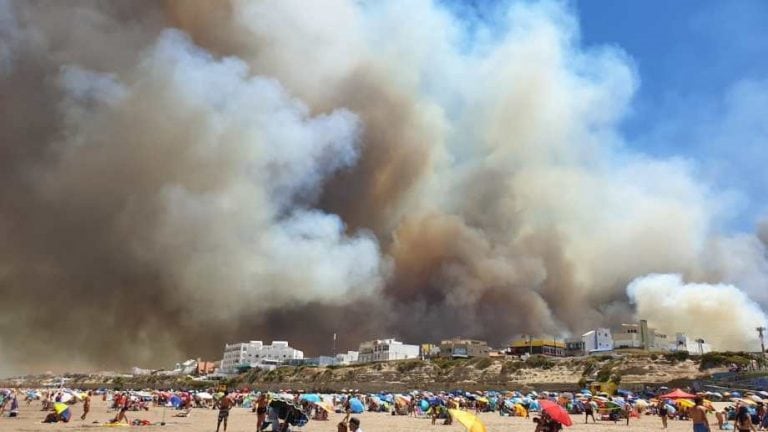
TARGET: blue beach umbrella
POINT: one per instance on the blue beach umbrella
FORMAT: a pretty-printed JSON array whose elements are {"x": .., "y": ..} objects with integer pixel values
[{"x": 311, "y": 397}]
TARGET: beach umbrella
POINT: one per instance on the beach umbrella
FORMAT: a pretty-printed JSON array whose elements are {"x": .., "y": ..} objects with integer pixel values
[
  {"x": 735, "y": 394},
  {"x": 325, "y": 406},
  {"x": 686, "y": 403},
  {"x": 311, "y": 397},
  {"x": 470, "y": 421},
  {"x": 641, "y": 403},
  {"x": 756, "y": 398},
  {"x": 205, "y": 396},
  {"x": 671, "y": 410},
  {"x": 677, "y": 394},
  {"x": 556, "y": 412}
]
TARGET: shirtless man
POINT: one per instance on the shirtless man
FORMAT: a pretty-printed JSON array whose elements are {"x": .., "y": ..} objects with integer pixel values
[
  {"x": 699, "y": 416},
  {"x": 225, "y": 404},
  {"x": 86, "y": 405}
]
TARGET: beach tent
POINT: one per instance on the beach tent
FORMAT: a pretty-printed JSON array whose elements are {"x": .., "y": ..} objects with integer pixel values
[
  {"x": 63, "y": 411},
  {"x": 175, "y": 401},
  {"x": 356, "y": 406},
  {"x": 677, "y": 394}
]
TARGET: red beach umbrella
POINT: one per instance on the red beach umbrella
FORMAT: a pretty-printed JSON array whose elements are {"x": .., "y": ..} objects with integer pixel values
[{"x": 556, "y": 412}]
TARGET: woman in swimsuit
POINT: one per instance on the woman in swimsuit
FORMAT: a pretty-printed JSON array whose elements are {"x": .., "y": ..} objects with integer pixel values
[
  {"x": 744, "y": 421},
  {"x": 261, "y": 411}
]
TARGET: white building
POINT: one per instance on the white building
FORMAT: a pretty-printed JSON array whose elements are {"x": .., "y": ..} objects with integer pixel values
[
  {"x": 254, "y": 353},
  {"x": 347, "y": 358},
  {"x": 386, "y": 350},
  {"x": 639, "y": 336},
  {"x": 598, "y": 340},
  {"x": 693, "y": 346}
]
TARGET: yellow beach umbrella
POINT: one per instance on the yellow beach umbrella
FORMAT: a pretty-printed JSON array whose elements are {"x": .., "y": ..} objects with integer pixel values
[
  {"x": 325, "y": 406},
  {"x": 470, "y": 421},
  {"x": 686, "y": 403}
]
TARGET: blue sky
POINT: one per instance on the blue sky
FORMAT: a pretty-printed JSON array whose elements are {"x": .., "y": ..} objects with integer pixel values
[
  {"x": 703, "y": 68},
  {"x": 703, "y": 95}
]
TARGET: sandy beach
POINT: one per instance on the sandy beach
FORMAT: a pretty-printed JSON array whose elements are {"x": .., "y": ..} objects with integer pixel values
[{"x": 242, "y": 420}]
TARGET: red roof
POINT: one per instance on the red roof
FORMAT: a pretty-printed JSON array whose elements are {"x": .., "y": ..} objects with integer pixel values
[{"x": 677, "y": 394}]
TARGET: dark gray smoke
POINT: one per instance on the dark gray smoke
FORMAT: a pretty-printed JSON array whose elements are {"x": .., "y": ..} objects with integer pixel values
[{"x": 176, "y": 176}]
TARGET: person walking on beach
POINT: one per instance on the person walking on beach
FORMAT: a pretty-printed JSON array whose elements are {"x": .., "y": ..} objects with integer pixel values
[
  {"x": 698, "y": 415},
  {"x": 225, "y": 404},
  {"x": 627, "y": 411},
  {"x": 86, "y": 405},
  {"x": 663, "y": 413},
  {"x": 589, "y": 411}
]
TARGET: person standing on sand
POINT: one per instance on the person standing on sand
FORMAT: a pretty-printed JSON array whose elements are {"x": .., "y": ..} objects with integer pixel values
[
  {"x": 589, "y": 411},
  {"x": 663, "y": 413},
  {"x": 698, "y": 415},
  {"x": 261, "y": 411},
  {"x": 225, "y": 404},
  {"x": 86, "y": 405}
]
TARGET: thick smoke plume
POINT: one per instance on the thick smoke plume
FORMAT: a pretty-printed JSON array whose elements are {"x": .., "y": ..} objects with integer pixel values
[
  {"x": 175, "y": 176},
  {"x": 673, "y": 305}
]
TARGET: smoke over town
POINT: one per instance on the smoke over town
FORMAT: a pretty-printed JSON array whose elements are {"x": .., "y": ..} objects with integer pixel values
[{"x": 174, "y": 176}]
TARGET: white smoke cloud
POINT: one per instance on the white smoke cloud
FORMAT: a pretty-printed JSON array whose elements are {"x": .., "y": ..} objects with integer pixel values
[{"x": 721, "y": 314}]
